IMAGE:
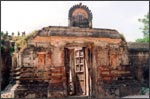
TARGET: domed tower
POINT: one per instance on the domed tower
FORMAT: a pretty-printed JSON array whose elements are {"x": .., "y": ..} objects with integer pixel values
[{"x": 80, "y": 16}]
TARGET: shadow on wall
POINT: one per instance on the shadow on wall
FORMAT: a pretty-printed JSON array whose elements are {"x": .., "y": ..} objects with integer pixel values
[{"x": 5, "y": 67}]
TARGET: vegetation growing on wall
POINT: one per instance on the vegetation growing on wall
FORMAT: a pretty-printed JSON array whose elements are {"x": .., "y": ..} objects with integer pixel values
[
  {"x": 21, "y": 41},
  {"x": 9, "y": 44},
  {"x": 6, "y": 43}
]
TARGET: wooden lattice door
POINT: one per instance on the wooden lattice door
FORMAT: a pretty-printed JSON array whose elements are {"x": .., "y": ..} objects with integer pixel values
[
  {"x": 80, "y": 83},
  {"x": 75, "y": 70}
]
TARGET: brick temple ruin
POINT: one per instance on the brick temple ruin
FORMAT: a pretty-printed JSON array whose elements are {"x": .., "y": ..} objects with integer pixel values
[{"x": 77, "y": 60}]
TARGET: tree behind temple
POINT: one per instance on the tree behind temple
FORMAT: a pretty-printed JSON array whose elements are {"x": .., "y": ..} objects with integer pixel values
[{"x": 145, "y": 29}]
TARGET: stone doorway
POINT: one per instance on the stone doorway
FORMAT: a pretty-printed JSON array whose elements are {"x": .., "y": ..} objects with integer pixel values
[{"x": 77, "y": 71}]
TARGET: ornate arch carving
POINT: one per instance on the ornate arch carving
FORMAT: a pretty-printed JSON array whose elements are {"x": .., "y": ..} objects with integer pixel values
[{"x": 80, "y": 16}]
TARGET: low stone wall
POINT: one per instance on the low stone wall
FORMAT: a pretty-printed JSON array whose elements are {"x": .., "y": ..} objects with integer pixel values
[
  {"x": 139, "y": 60},
  {"x": 119, "y": 88}
]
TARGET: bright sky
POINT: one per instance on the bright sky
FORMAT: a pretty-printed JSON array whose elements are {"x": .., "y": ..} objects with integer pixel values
[{"x": 33, "y": 15}]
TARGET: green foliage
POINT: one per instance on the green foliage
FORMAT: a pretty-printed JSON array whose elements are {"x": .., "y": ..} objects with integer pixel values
[
  {"x": 144, "y": 91},
  {"x": 2, "y": 47},
  {"x": 21, "y": 41},
  {"x": 145, "y": 29},
  {"x": 2, "y": 33},
  {"x": 30, "y": 35},
  {"x": 5, "y": 36},
  {"x": 145, "y": 39},
  {"x": 11, "y": 50},
  {"x": 145, "y": 21},
  {"x": 18, "y": 33}
]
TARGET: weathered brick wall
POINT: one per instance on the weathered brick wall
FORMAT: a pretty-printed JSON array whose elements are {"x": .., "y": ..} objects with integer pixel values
[
  {"x": 139, "y": 60},
  {"x": 46, "y": 54},
  {"x": 113, "y": 71},
  {"x": 36, "y": 65}
]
